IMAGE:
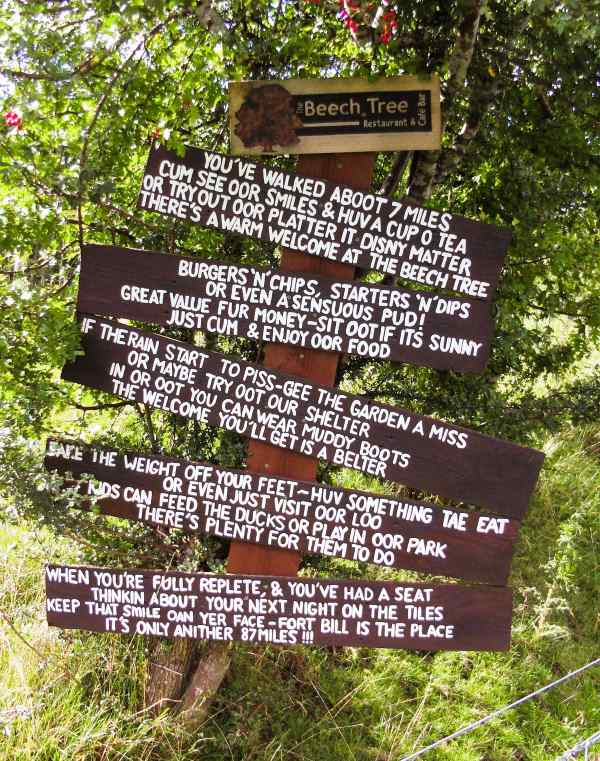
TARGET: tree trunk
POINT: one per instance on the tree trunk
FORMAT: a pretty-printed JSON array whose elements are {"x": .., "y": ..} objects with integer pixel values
[
  {"x": 205, "y": 681},
  {"x": 183, "y": 677},
  {"x": 167, "y": 672}
]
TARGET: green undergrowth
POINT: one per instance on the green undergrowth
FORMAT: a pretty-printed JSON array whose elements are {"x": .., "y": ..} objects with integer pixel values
[{"x": 74, "y": 696}]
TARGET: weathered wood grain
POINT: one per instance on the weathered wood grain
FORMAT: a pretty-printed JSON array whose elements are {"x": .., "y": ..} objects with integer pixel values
[
  {"x": 316, "y": 421},
  {"x": 303, "y": 516},
  {"x": 279, "y": 610}
]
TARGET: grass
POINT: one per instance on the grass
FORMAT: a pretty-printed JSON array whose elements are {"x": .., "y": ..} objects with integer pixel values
[{"x": 72, "y": 696}]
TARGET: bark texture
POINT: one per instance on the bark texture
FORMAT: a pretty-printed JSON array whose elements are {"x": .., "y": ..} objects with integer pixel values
[
  {"x": 459, "y": 61},
  {"x": 170, "y": 662},
  {"x": 205, "y": 682}
]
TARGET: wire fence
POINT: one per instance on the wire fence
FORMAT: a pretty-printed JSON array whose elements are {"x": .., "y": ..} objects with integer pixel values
[
  {"x": 583, "y": 748},
  {"x": 504, "y": 709}
]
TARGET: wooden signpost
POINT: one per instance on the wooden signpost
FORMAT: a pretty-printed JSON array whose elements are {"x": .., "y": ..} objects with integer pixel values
[
  {"x": 303, "y": 516},
  {"x": 328, "y": 220},
  {"x": 312, "y": 364},
  {"x": 279, "y": 610},
  {"x": 335, "y": 115},
  {"x": 308, "y": 312},
  {"x": 374, "y": 321},
  {"x": 317, "y": 421}
]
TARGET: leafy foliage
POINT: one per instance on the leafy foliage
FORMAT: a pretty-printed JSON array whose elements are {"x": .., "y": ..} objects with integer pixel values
[{"x": 85, "y": 87}]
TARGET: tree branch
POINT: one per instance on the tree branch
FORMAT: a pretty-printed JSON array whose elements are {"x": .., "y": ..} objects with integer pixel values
[
  {"x": 72, "y": 198},
  {"x": 547, "y": 310},
  {"x": 84, "y": 68},
  {"x": 18, "y": 634},
  {"x": 462, "y": 55},
  {"x": 146, "y": 416},
  {"x": 450, "y": 158},
  {"x": 208, "y": 16},
  {"x": 396, "y": 173},
  {"x": 485, "y": 94},
  {"x": 94, "y": 407},
  {"x": 116, "y": 74},
  {"x": 458, "y": 66}
]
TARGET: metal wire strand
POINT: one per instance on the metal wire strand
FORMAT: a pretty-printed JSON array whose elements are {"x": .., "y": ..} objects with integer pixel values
[
  {"x": 500, "y": 711},
  {"x": 582, "y": 747}
]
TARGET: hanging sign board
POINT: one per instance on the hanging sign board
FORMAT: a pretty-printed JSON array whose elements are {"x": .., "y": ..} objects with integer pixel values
[
  {"x": 287, "y": 412},
  {"x": 335, "y": 115},
  {"x": 317, "y": 217},
  {"x": 373, "y": 321},
  {"x": 279, "y": 610},
  {"x": 302, "y": 516}
]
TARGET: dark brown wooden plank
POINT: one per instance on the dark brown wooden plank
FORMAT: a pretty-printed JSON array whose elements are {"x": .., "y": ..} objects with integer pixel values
[
  {"x": 285, "y": 411},
  {"x": 304, "y": 516},
  {"x": 279, "y": 610},
  {"x": 320, "y": 218},
  {"x": 306, "y": 311}
]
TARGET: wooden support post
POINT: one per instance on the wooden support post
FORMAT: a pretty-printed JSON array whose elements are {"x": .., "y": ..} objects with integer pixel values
[{"x": 320, "y": 367}]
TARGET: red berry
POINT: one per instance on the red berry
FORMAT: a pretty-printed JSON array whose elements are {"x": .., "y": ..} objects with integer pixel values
[{"x": 13, "y": 119}]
